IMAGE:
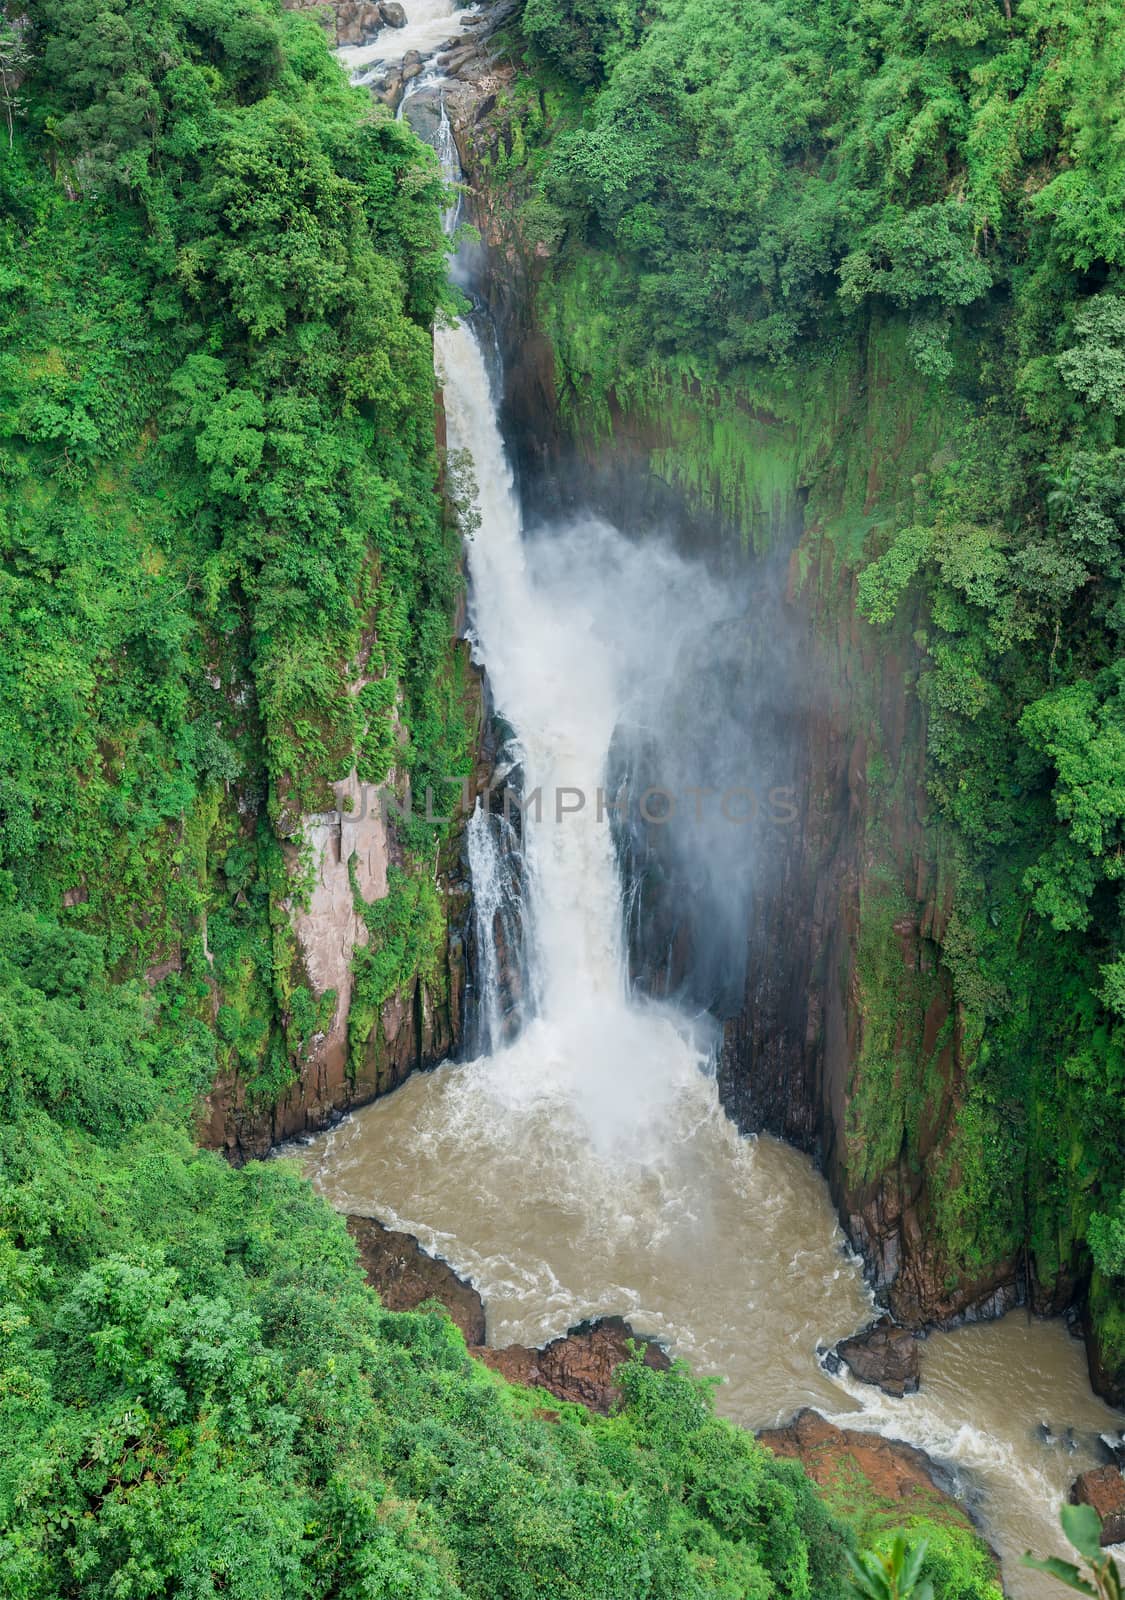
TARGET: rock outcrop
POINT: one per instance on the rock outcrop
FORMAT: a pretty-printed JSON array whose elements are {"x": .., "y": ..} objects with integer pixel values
[
  {"x": 405, "y": 1276},
  {"x": 896, "y": 1471},
  {"x": 349, "y": 1060},
  {"x": 1104, "y": 1489},
  {"x": 886, "y": 1356},
  {"x": 581, "y": 1366}
]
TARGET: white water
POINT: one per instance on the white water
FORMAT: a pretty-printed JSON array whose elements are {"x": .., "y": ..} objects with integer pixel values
[
  {"x": 429, "y": 25},
  {"x": 586, "y": 1167},
  {"x": 617, "y": 1066}
]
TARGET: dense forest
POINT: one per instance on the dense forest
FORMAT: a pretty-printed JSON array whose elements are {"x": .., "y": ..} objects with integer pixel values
[
  {"x": 769, "y": 203},
  {"x": 228, "y": 580},
  {"x": 219, "y": 514}
]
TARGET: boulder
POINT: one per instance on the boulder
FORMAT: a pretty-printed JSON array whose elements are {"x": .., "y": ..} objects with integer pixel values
[
  {"x": 896, "y": 1471},
  {"x": 581, "y": 1366},
  {"x": 454, "y": 60},
  {"x": 357, "y": 21},
  {"x": 404, "y": 1276},
  {"x": 884, "y": 1355},
  {"x": 1104, "y": 1489},
  {"x": 389, "y": 92},
  {"x": 392, "y": 13}
]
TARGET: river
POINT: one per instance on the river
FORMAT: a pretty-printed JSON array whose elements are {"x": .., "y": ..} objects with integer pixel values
[{"x": 585, "y": 1166}]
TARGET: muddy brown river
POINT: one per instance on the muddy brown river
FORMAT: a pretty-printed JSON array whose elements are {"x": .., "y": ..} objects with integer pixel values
[
  {"x": 587, "y": 1167},
  {"x": 727, "y": 1249}
]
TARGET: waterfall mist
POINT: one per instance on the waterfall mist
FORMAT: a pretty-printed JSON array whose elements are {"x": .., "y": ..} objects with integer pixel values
[{"x": 580, "y": 1163}]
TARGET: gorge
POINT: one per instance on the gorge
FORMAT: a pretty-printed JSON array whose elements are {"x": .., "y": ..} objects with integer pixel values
[
  {"x": 586, "y": 1167},
  {"x": 647, "y": 825}
]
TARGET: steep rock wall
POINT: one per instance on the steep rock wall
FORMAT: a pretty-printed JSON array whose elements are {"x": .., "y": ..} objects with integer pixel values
[
  {"x": 337, "y": 866},
  {"x": 847, "y": 1042}
]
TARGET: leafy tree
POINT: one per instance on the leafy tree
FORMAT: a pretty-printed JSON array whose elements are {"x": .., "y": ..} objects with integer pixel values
[{"x": 1083, "y": 1529}]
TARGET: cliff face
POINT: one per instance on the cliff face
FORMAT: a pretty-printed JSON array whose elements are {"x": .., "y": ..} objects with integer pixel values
[
  {"x": 350, "y": 1060},
  {"x": 337, "y": 867},
  {"x": 846, "y": 1040}
]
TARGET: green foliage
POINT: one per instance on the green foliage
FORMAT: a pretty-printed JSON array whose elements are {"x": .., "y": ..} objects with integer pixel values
[
  {"x": 225, "y": 575},
  {"x": 1106, "y": 1234},
  {"x": 925, "y": 1540},
  {"x": 582, "y": 37},
  {"x": 893, "y": 1574},
  {"x": 1083, "y": 1529}
]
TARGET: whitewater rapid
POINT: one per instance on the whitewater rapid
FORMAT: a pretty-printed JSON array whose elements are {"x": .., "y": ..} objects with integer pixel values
[{"x": 585, "y": 1166}]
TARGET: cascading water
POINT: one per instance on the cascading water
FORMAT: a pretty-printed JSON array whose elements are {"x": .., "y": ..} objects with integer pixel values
[
  {"x": 450, "y": 161},
  {"x": 498, "y": 981},
  {"x": 429, "y": 25},
  {"x": 582, "y": 1165},
  {"x": 561, "y": 687}
]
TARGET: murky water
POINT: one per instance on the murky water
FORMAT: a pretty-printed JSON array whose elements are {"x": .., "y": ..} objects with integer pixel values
[
  {"x": 587, "y": 1168},
  {"x": 725, "y": 1248}
]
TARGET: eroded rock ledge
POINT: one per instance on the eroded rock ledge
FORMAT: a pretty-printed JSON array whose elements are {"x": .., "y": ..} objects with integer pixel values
[
  {"x": 895, "y": 1470},
  {"x": 582, "y": 1366},
  {"x": 405, "y": 1276}
]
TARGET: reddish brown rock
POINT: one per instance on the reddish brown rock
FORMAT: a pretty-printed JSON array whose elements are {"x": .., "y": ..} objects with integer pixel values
[
  {"x": 404, "y": 1276},
  {"x": 357, "y": 21},
  {"x": 580, "y": 1366},
  {"x": 1104, "y": 1489},
  {"x": 886, "y": 1356},
  {"x": 895, "y": 1470}
]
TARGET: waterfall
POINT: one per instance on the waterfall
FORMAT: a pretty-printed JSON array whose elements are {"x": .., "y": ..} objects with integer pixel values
[
  {"x": 498, "y": 993},
  {"x": 561, "y": 679},
  {"x": 450, "y": 162}
]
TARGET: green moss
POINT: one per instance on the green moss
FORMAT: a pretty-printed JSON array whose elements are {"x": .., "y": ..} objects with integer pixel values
[{"x": 957, "y": 1563}]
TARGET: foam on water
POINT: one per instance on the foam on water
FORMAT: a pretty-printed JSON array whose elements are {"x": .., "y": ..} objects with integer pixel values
[{"x": 586, "y": 1167}]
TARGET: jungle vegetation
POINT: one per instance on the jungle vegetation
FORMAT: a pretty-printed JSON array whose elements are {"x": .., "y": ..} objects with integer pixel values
[
  {"x": 912, "y": 210},
  {"x": 225, "y": 581}
]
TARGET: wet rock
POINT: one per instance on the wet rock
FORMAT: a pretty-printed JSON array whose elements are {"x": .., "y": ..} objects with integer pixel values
[
  {"x": 404, "y": 1276},
  {"x": 579, "y": 1367},
  {"x": 454, "y": 60},
  {"x": 392, "y": 13},
  {"x": 1104, "y": 1489},
  {"x": 1112, "y": 1446},
  {"x": 423, "y": 112},
  {"x": 895, "y": 1470},
  {"x": 357, "y": 21},
  {"x": 412, "y": 65},
  {"x": 886, "y": 1356},
  {"x": 390, "y": 90}
]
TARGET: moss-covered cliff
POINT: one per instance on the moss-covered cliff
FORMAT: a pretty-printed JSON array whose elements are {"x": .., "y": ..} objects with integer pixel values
[
  {"x": 229, "y": 583},
  {"x": 917, "y": 405}
]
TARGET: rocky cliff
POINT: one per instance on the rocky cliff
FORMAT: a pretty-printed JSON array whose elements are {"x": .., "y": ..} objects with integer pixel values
[{"x": 845, "y": 1038}]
